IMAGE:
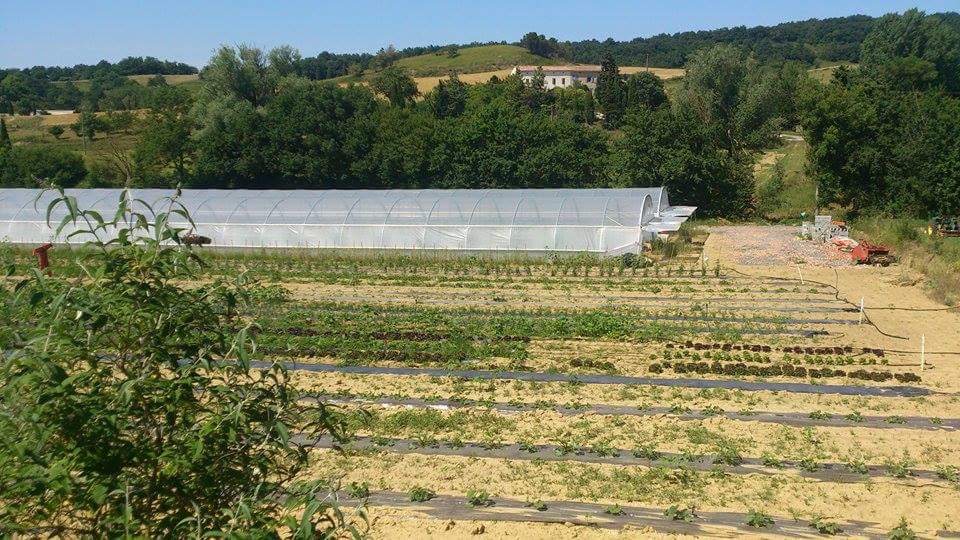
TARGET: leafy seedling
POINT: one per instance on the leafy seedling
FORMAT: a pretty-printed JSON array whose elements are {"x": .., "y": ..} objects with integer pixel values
[
  {"x": 421, "y": 494},
  {"x": 758, "y": 519},
  {"x": 949, "y": 473},
  {"x": 680, "y": 514},
  {"x": 854, "y": 417},
  {"x": 711, "y": 410},
  {"x": 478, "y": 497},
  {"x": 902, "y": 531},
  {"x": 358, "y": 490},
  {"x": 857, "y": 466},
  {"x": 825, "y": 527},
  {"x": 537, "y": 505},
  {"x": 647, "y": 451},
  {"x": 613, "y": 510}
]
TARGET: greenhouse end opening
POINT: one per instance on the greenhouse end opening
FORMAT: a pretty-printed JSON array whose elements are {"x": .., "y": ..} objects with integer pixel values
[{"x": 604, "y": 221}]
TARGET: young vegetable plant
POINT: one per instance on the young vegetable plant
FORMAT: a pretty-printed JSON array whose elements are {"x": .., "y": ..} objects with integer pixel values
[
  {"x": 478, "y": 497},
  {"x": 613, "y": 510},
  {"x": 902, "y": 531},
  {"x": 677, "y": 513},
  {"x": 421, "y": 494},
  {"x": 758, "y": 519},
  {"x": 537, "y": 505},
  {"x": 358, "y": 490},
  {"x": 825, "y": 527}
]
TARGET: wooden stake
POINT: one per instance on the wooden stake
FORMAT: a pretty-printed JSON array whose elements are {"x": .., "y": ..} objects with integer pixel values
[
  {"x": 923, "y": 351},
  {"x": 801, "y": 274},
  {"x": 861, "y": 311}
]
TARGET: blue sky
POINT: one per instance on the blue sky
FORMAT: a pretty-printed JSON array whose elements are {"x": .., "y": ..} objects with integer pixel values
[{"x": 66, "y": 32}]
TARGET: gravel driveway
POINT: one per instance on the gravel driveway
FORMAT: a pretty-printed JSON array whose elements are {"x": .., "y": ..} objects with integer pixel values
[{"x": 774, "y": 245}]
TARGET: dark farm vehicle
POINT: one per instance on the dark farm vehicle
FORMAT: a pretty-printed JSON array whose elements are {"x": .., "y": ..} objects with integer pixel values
[{"x": 944, "y": 226}]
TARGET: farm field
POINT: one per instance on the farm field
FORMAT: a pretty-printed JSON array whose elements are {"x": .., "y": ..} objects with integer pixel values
[
  {"x": 471, "y": 60},
  {"x": 492, "y": 379},
  {"x": 191, "y": 81},
  {"x": 709, "y": 394}
]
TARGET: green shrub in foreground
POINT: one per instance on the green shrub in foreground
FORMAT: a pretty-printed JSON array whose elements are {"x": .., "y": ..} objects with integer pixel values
[{"x": 128, "y": 408}]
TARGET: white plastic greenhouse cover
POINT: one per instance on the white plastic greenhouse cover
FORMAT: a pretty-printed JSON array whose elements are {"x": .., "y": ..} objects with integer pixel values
[{"x": 609, "y": 221}]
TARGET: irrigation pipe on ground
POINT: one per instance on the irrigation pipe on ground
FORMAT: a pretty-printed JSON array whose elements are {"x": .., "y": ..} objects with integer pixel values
[
  {"x": 783, "y": 418},
  {"x": 802, "y": 388},
  {"x": 595, "y": 515},
  {"x": 827, "y": 472}
]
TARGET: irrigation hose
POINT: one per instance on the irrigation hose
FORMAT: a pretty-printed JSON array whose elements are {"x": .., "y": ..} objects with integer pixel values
[{"x": 836, "y": 295}]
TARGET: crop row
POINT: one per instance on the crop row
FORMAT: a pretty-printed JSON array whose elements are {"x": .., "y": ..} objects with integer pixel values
[
  {"x": 767, "y": 348},
  {"x": 520, "y": 325},
  {"x": 361, "y": 348},
  {"x": 410, "y": 335},
  {"x": 785, "y": 370},
  {"x": 746, "y": 356}
]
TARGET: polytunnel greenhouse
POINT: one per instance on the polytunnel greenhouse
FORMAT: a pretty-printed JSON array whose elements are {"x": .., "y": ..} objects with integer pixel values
[{"x": 605, "y": 221}]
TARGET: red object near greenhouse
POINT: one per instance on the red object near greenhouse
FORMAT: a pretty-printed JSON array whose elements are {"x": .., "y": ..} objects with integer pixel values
[
  {"x": 867, "y": 253},
  {"x": 41, "y": 254}
]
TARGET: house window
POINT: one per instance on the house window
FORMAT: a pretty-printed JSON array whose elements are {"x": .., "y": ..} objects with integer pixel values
[
  {"x": 589, "y": 79},
  {"x": 563, "y": 81},
  {"x": 553, "y": 81}
]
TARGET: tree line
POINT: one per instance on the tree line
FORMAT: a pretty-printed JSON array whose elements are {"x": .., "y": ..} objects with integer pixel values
[
  {"x": 885, "y": 138},
  {"x": 882, "y": 137},
  {"x": 257, "y": 124}
]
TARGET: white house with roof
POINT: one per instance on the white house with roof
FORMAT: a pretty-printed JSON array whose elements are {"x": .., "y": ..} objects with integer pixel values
[{"x": 561, "y": 76}]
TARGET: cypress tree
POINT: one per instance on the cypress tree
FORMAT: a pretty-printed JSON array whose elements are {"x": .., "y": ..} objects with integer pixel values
[
  {"x": 5, "y": 143},
  {"x": 610, "y": 93}
]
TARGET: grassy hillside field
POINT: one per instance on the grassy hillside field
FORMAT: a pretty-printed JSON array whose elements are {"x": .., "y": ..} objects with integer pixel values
[
  {"x": 188, "y": 81},
  {"x": 471, "y": 60}
]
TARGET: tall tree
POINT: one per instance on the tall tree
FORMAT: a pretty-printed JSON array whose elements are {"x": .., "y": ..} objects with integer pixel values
[
  {"x": 610, "y": 93},
  {"x": 645, "y": 89},
  {"x": 242, "y": 72},
  {"x": 449, "y": 98},
  {"x": 930, "y": 46},
  {"x": 165, "y": 140},
  {"x": 399, "y": 87},
  {"x": 669, "y": 147},
  {"x": 5, "y": 143}
]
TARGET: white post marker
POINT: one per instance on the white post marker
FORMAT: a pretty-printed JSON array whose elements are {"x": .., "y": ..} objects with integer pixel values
[
  {"x": 801, "y": 274},
  {"x": 861, "y": 310},
  {"x": 923, "y": 351}
]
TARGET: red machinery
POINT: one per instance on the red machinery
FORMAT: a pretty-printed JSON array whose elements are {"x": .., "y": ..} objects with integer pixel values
[
  {"x": 41, "y": 254},
  {"x": 867, "y": 253}
]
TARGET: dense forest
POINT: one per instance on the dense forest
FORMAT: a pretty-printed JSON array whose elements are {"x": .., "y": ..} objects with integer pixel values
[{"x": 885, "y": 136}]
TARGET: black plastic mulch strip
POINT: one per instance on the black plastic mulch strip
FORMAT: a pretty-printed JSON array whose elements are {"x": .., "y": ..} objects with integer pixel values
[
  {"x": 594, "y": 515},
  {"x": 752, "y": 386},
  {"x": 789, "y": 419},
  {"x": 828, "y": 472}
]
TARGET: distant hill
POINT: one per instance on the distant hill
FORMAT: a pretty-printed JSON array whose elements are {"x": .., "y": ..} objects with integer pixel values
[
  {"x": 814, "y": 42},
  {"x": 190, "y": 81},
  {"x": 471, "y": 60}
]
